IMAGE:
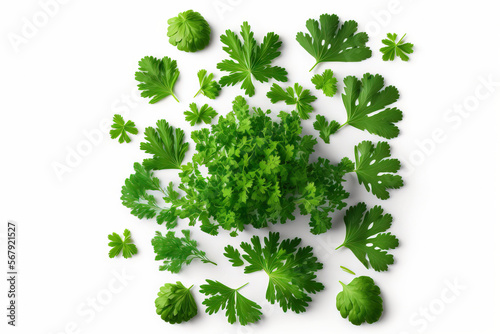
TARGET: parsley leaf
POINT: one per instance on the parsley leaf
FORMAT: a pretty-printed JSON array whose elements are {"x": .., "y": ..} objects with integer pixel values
[
  {"x": 325, "y": 129},
  {"x": 196, "y": 116},
  {"x": 374, "y": 170},
  {"x": 124, "y": 245},
  {"x": 120, "y": 129},
  {"x": 208, "y": 86},
  {"x": 291, "y": 270},
  {"x": 233, "y": 255},
  {"x": 237, "y": 307},
  {"x": 329, "y": 42},
  {"x": 326, "y": 82},
  {"x": 360, "y": 301},
  {"x": 136, "y": 196},
  {"x": 364, "y": 236},
  {"x": 364, "y": 100},
  {"x": 177, "y": 252},
  {"x": 166, "y": 145},
  {"x": 188, "y": 31},
  {"x": 250, "y": 59},
  {"x": 296, "y": 95},
  {"x": 394, "y": 48},
  {"x": 157, "y": 78},
  {"x": 175, "y": 303}
]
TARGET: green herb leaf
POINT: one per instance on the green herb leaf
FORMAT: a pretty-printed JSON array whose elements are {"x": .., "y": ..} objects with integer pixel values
[
  {"x": 197, "y": 116},
  {"x": 237, "y": 307},
  {"x": 125, "y": 245},
  {"x": 250, "y": 59},
  {"x": 175, "y": 303},
  {"x": 326, "y": 82},
  {"x": 208, "y": 86},
  {"x": 325, "y": 129},
  {"x": 365, "y": 239},
  {"x": 360, "y": 301},
  {"x": 291, "y": 270},
  {"x": 167, "y": 146},
  {"x": 188, "y": 31},
  {"x": 177, "y": 252},
  {"x": 157, "y": 78},
  {"x": 233, "y": 255},
  {"x": 394, "y": 48},
  {"x": 296, "y": 95},
  {"x": 374, "y": 170},
  {"x": 120, "y": 128},
  {"x": 364, "y": 100},
  {"x": 328, "y": 41}
]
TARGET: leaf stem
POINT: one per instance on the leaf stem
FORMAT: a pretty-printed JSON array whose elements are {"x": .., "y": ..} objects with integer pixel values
[
  {"x": 175, "y": 97},
  {"x": 339, "y": 246},
  {"x": 244, "y": 285},
  {"x": 312, "y": 68},
  {"x": 347, "y": 270},
  {"x": 197, "y": 93}
]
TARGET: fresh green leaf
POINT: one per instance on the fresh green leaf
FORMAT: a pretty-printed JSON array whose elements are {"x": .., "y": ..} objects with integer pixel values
[
  {"x": 197, "y": 116},
  {"x": 326, "y": 82},
  {"x": 291, "y": 270},
  {"x": 365, "y": 239},
  {"x": 237, "y": 307},
  {"x": 176, "y": 252},
  {"x": 250, "y": 59},
  {"x": 120, "y": 128},
  {"x": 208, "y": 86},
  {"x": 374, "y": 170},
  {"x": 328, "y": 41},
  {"x": 325, "y": 129},
  {"x": 394, "y": 48},
  {"x": 364, "y": 100},
  {"x": 157, "y": 78},
  {"x": 360, "y": 301},
  {"x": 296, "y": 95},
  {"x": 233, "y": 255},
  {"x": 188, "y": 31},
  {"x": 167, "y": 146},
  {"x": 125, "y": 245},
  {"x": 175, "y": 303}
]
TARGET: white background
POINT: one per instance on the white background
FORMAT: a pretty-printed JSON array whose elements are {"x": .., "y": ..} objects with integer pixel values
[{"x": 77, "y": 69}]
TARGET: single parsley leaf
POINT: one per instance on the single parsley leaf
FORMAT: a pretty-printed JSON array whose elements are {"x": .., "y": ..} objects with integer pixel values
[
  {"x": 365, "y": 239},
  {"x": 326, "y": 82},
  {"x": 177, "y": 252},
  {"x": 237, "y": 307},
  {"x": 325, "y": 129},
  {"x": 188, "y": 31},
  {"x": 120, "y": 128},
  {"x": 394, "y": 48},
  {"x": 327, "y": 41},
  {"x": 157, "y": 78},
  {"x": 233, "y": 255},
  {"x": 364, "y": 100},
  {"x": 167, "y": 146},
  {"x": 250, "y": 59},
  {"x": 175, "y": 303},
  {"x": 124, "y": 245},
  {"x": 374, "y": 170},
  {"x": 291, "y": 270},
  {"x": 296, "y": 95},
  {"x": 136, "y": 195},
  {"x": 196, "y": 116},
  {"x": 208, "y": 86},
  {"x": 360, "y": 301}
]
